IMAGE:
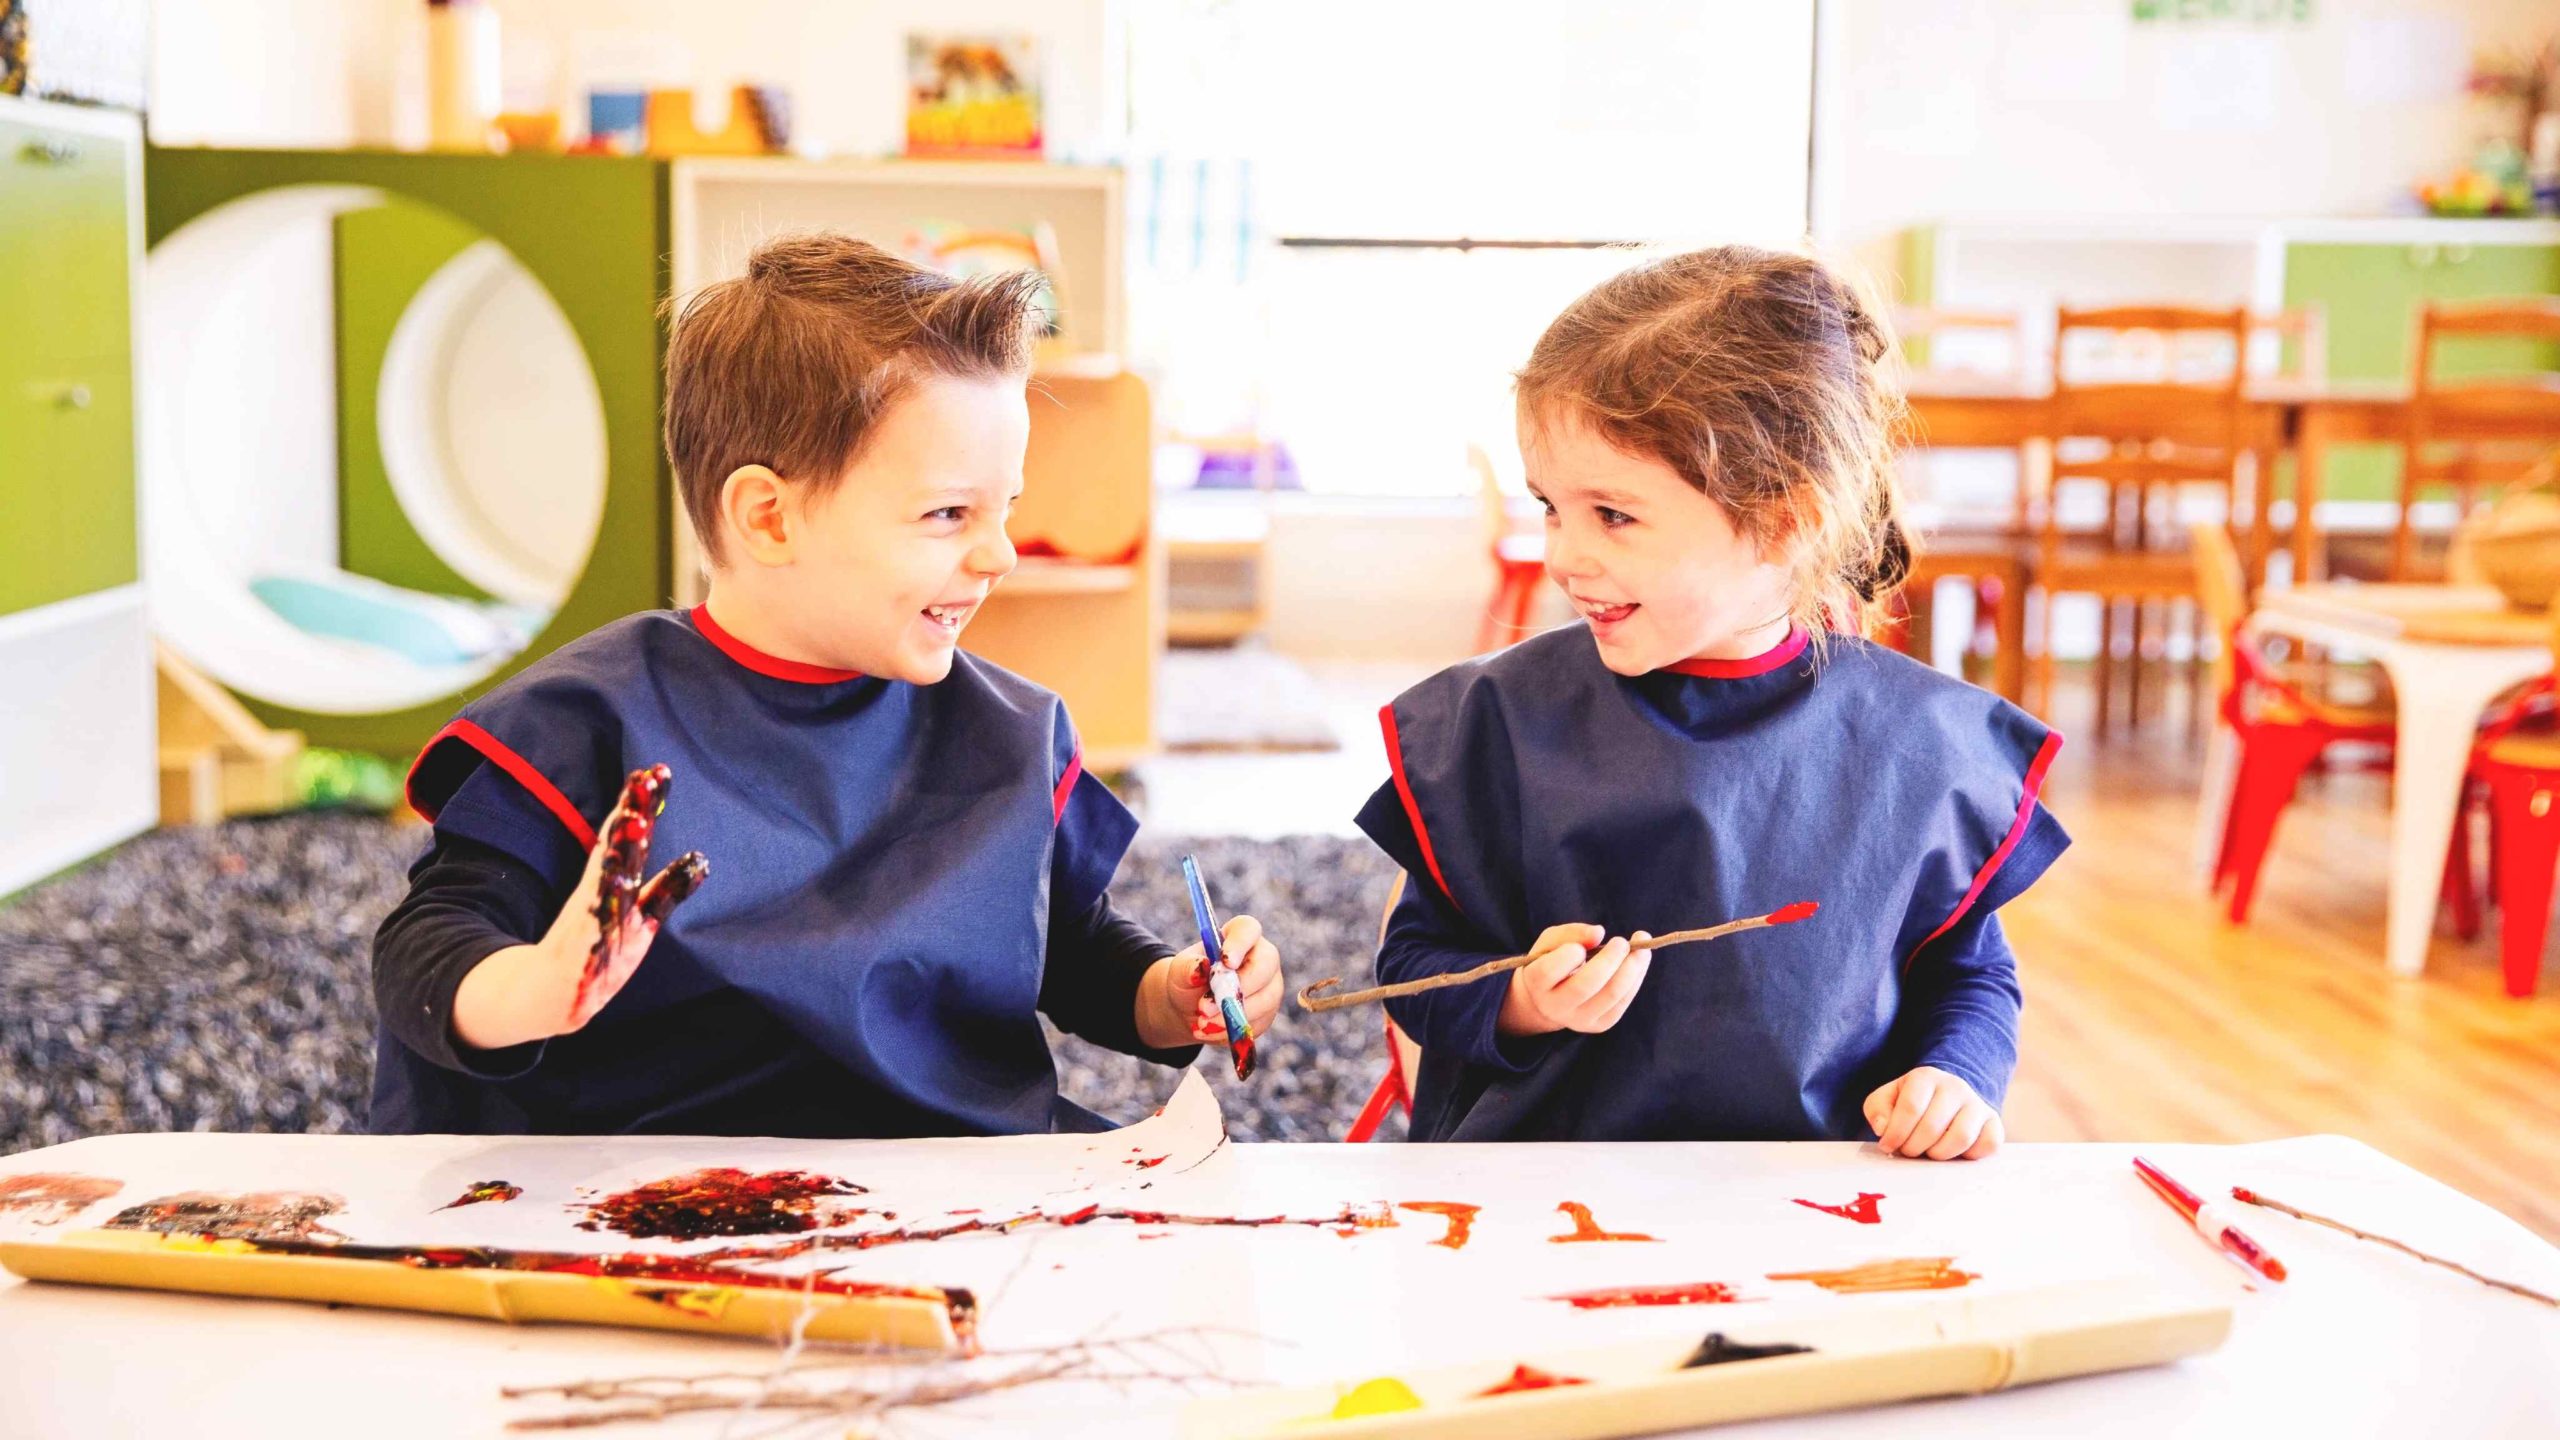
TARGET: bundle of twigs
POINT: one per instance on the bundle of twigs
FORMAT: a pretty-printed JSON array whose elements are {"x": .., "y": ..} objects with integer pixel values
[{"x": 862, "y": 1386}]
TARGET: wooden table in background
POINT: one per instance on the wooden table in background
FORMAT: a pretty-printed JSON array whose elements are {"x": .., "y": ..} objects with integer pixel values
[
  {"x": 2305, "y": 417},
  {"x": 2450, "y": 651}
]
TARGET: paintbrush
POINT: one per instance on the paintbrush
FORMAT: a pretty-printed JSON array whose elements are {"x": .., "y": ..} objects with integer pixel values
[
  {"x": 1308, "y": 999},
  {"x": 1224, "y": 987}
]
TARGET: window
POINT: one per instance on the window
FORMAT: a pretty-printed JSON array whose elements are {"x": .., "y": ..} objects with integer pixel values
[{"x": 1292, "y": 163}]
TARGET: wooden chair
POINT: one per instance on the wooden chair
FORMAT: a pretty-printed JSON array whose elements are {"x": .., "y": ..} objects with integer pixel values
[
  {"x": 2476, "y": 434},
  {"x": 1404, "y": 1058},
  {"x": 1968, "y": 348},
  {"x": 1519, "y": 562},
  {"x": 2300, "y": 337},
  {"x": 2147, "y": 445}
]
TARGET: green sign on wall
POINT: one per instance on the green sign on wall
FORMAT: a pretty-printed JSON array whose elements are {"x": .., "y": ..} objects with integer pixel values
[{"x": 2203, "y": 12}]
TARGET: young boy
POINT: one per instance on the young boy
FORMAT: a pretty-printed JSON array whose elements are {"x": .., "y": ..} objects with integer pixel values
[{"x": 907, "y": 858}]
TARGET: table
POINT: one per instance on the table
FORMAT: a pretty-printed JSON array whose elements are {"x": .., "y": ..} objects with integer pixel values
[
  {"x": 2362, "y": 1341},
  {"x": 2305, "y": 416},
  {"x": 2450, "y": 650}
]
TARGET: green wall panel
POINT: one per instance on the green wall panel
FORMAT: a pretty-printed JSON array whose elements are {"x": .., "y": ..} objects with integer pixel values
[
  {"x": 66, "y": 368},
  {"x": 593, "y": 230},
  {"x": 382, "y": 256},
  {"x": 2372, "y": 293}
]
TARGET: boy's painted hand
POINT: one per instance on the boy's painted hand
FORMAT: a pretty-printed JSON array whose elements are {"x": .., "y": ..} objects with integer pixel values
[
  {"x": 1570, "y": 985},
  {"x": 1932, "y": 1113},
  {"x": 604, "y": 930},
  {"x": 558, "y": 983},
  {"x": 1257, "y": 965}
]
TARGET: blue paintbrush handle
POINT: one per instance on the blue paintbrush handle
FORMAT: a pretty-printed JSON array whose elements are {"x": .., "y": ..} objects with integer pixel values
[{"x": 1200, "y": 912}]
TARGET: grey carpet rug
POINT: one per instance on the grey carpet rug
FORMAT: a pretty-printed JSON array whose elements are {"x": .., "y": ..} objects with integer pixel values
[
  {"x": 218, "y": 979},
  {"x": 1239, "y": 697}
]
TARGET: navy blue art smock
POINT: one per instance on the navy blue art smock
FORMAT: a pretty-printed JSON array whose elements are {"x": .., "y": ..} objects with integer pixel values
[
  {"x": 867, "y": 957},
  {"x": 1535, "y": 787}
]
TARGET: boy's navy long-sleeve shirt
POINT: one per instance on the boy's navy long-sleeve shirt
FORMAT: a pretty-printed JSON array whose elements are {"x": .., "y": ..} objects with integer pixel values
[
  {"x": 901, "y": 876},
  {"x": 1535, "y": 788}
]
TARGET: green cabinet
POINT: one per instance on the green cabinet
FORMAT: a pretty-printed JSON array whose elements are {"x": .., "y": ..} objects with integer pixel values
[
  {"x": 78, "y": 730},
  {"x": 2371, "y": 295},
  {"x": 66, "y": 390}
]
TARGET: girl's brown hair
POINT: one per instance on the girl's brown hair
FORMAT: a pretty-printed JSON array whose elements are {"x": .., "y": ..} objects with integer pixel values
[
  {"x": 1760, "y": 378},
  {"x": 792, "y": 364}
]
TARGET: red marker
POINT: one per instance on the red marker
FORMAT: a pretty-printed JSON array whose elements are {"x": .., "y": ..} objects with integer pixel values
[{"x": 2213, "y": 1223}]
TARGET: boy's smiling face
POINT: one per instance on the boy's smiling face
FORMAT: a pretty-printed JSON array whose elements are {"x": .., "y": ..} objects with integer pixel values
[
  {"x": 1653, "y": 565},
  {"x": 882, "y": 572}
]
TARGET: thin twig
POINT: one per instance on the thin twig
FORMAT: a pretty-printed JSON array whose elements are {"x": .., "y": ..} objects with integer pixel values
[
  {"x": 887, "y": 1382},
  {"x": 2254, "y": 1198},
  {"x": 1308, "y": 999}
]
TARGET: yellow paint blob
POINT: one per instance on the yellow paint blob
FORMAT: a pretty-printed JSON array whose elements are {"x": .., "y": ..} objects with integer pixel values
[{"x": 1376, "y": 1397}]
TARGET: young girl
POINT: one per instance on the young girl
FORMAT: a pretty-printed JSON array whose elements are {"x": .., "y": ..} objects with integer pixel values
[{"x": 1712, "y": 438}]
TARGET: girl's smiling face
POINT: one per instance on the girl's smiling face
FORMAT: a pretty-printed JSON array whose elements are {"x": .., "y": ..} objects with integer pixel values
[{"x": 1652, "y": 564}]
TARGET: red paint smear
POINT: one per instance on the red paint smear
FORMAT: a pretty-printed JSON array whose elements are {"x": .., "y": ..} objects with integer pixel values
[
  {"x": 1351, "y": 1219},
  {"x": 1151, "y": 1164},
  {"x": 1585, "y": 1229},
  {"x": 53, "y": 1197},
  {"x": 723, "y": 1201},
  {"x": 485, "y": 1192},
  {"x": 1705, "y": 1292},
  {"x": 639, "y": 1265},
  {"x": 1790, "y": 914},
  {"x": 1460, "y": 1215},
  {"x": 1530, "y": 1377},
  {"x": 1863, "y": 1209}
]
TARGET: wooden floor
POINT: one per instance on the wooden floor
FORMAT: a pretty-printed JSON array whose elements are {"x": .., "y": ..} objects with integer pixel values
[{"x": 2149, "y": 1018}]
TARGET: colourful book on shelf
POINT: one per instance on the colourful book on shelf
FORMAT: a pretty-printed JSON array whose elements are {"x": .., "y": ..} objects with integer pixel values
[{"x": 973, "y": 96}]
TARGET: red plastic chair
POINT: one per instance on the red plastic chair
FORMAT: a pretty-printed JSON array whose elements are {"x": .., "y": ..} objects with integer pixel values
[
  {"x": 1519, "y": 563},
  {"x": 1404, "y": 1058},
  {"x": 2280, "y": 731},
  {"x": 2519, "y": 766}
]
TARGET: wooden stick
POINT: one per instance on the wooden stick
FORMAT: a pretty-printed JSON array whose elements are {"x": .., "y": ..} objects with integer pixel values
[
  {"x": 1308, "y": 998},
  {"x": 2239, "y": 1192}
]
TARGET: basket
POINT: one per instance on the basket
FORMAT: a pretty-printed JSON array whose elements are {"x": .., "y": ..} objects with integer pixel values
[{"x": 2516, "y": 544}]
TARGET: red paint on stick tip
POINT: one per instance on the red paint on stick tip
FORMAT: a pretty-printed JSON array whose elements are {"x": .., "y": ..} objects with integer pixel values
[{"x": 1790, "y": 914}]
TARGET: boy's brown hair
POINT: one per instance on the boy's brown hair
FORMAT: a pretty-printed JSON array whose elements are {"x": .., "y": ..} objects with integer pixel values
[
  {"x": 793, "y": 364},
  {"x": 1761, "y": 378}
]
